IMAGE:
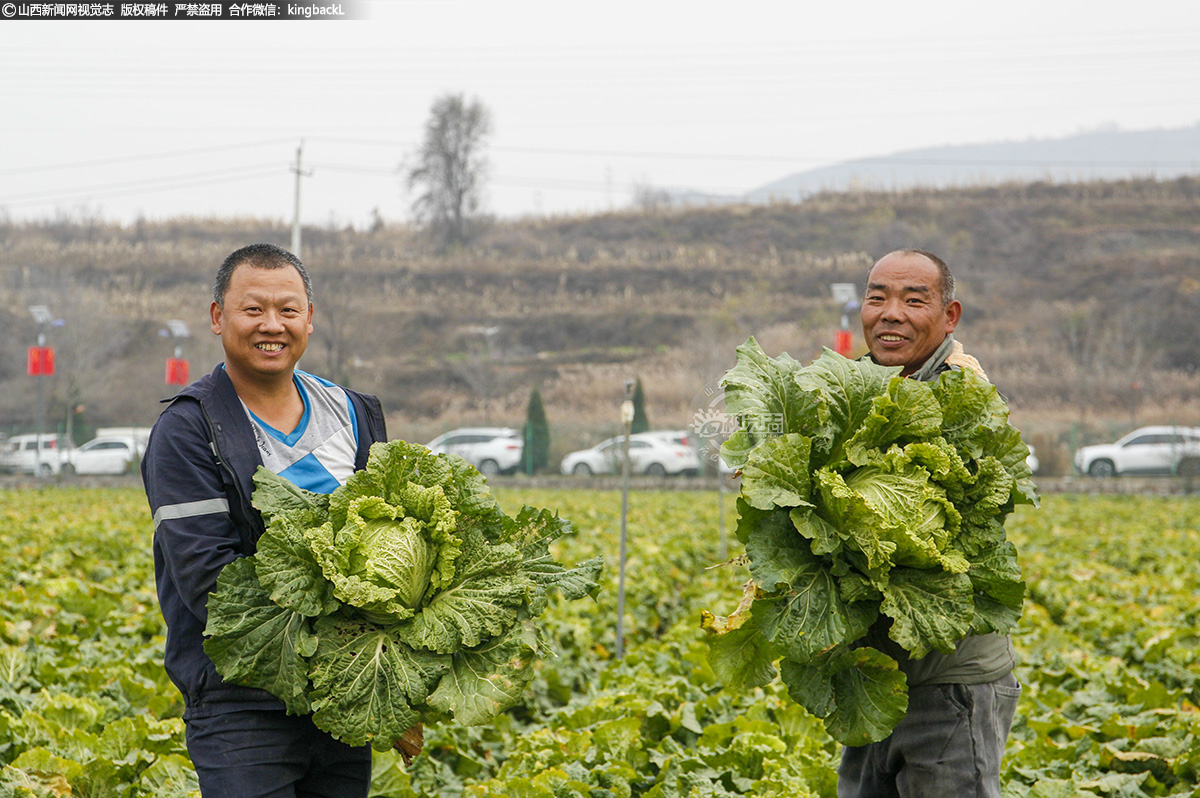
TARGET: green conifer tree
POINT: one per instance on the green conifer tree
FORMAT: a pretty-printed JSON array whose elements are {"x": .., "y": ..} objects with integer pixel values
[
  {"x": 537, "y": 436},
  {"x": 640, "y": 422}
]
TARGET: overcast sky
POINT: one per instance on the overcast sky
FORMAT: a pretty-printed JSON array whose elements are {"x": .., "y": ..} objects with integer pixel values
[{"x": 161, "y": 119}]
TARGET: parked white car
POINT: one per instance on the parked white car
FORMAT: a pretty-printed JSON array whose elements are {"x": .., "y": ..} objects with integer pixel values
[
  {"x": 21, "y": 456},
  {"x": 493, "y": 450},
  {"x": 106, "y": 454},
  {"x": 1148, "y": 450},
  {"x": 652, "y": 453},
  {"x": 680, "y": 436},
  {"x": 704, "y": 451}
]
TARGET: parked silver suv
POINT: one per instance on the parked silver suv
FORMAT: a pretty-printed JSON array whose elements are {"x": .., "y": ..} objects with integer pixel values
[
  {"x": 493, "y": 450},
  {"x": 1148, "y": 450}
]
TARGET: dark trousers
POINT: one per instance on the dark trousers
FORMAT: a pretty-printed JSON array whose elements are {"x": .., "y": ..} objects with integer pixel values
[
  {"x": 949, "y": 745},
  {"x": 269, "y": 754}
]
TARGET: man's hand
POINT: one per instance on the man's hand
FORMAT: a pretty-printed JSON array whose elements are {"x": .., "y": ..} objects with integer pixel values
[{"x": 411, "y": 743}]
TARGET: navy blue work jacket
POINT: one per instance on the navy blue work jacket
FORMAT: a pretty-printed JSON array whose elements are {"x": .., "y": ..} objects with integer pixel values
[{"x": 198, "y": 471}]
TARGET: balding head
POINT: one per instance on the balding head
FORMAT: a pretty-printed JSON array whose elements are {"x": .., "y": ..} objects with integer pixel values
[{"x": 945, "y": 283}]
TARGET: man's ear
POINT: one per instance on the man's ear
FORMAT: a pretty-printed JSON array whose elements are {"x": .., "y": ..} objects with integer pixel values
[
  {"x": 214, "y": 312},
  {"x": 953, "y": 314}
]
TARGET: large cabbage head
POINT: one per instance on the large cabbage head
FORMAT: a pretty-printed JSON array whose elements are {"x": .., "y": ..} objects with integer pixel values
[
  {"x": 389, "y": 556},
  {"x": 407, "y": 595},
  {"x": 895, "y": 516},
  {"x": 872, "y": 507}
]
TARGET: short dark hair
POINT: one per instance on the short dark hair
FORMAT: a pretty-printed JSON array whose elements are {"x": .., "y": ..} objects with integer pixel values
[
  {"x": 260, "y": 256},
  {"x": 945, "y": 278}
]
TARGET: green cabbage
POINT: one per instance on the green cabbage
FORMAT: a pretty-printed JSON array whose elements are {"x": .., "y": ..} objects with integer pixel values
[
  {"x": 404, "y": 596},
  {"x": 866, "y": 499}
]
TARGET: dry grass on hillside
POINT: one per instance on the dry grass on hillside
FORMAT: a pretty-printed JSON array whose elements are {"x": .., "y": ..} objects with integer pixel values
[{"x": 1083, "y": 303}]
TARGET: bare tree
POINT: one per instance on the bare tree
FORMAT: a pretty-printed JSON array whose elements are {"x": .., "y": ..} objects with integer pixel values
[
  {"x": 450, "y": 168},
  {"x": 648, "y": 198}
]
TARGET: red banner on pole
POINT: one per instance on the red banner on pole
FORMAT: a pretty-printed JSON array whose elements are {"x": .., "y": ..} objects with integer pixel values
[
  {"x": 843, "y": 342},
  {"x": 177, "y": 371},
  {"x": 40, "y": 362}
]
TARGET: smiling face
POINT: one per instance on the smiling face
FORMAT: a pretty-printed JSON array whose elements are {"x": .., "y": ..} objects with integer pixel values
[
  {"x": 264, "y": 324},
  {"x": 904, "y": 321}
]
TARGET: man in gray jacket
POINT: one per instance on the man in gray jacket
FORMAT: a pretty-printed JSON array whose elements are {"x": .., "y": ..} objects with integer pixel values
[{"x": 960, "y": 705}]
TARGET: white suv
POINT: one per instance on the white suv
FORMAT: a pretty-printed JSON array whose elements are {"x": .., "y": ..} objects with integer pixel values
[
  {"x": 1148, "y": 450},
  {"x": 106, "y": 454},
  {"x": 20, "y": 454},
  {"x": 493, "y": 450}
]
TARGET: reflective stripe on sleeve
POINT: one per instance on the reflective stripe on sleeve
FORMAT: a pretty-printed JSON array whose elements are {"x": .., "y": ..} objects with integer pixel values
[{"x": 170, "y": 512}]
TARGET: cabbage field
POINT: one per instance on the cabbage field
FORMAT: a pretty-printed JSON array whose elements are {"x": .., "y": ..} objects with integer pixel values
[{"x": 1110, "y": 662}]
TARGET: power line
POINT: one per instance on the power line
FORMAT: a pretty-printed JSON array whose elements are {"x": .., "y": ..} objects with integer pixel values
[
  {"x": 379, "y": 60},
  {"x": 252, "y": 172},
  {"x": 569, "y": 184},
  {"x": 889, "y": 159},
  {"x": 356, "y": 168},
  {"x": 140, "y": 183},
  {"x": 142, "y": 157},
  {"x": 350, "y": 140},
  {"x": 607, "y": 153},
  {"x": 792, "y": 158},
  {"x": 181, "y": 181}
]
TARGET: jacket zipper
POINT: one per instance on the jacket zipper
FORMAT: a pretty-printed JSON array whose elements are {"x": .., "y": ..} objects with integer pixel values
[{"x": 237, "y": 485}]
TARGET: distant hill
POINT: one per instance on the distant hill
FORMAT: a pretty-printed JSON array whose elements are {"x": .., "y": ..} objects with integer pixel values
[{"x": 1109, "y": 154}]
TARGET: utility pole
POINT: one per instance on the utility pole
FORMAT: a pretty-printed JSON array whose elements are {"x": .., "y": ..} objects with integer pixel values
[
  {"x": 177, "y": 367},
  {"x": 626, "y": 424},
  {"x": 296, "y": 211},
  {"x": 847, "y": 295},
  {"x": 41, "y": 364},
  {"x": 723, "y": 553}
]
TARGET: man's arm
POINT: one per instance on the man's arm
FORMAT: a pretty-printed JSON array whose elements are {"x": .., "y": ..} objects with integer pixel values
[{"x": 193, "y": 527}]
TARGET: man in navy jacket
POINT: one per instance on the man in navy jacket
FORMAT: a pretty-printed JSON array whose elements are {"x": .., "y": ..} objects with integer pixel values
[{"x": 198, "y": 470}]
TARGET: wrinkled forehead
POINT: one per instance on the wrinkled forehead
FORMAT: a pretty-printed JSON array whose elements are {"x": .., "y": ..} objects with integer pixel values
[{"x": 904, "y": 273}]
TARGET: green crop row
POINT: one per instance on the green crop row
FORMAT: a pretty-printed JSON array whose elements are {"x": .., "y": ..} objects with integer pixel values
[{"x": 1108, "y": 644}]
